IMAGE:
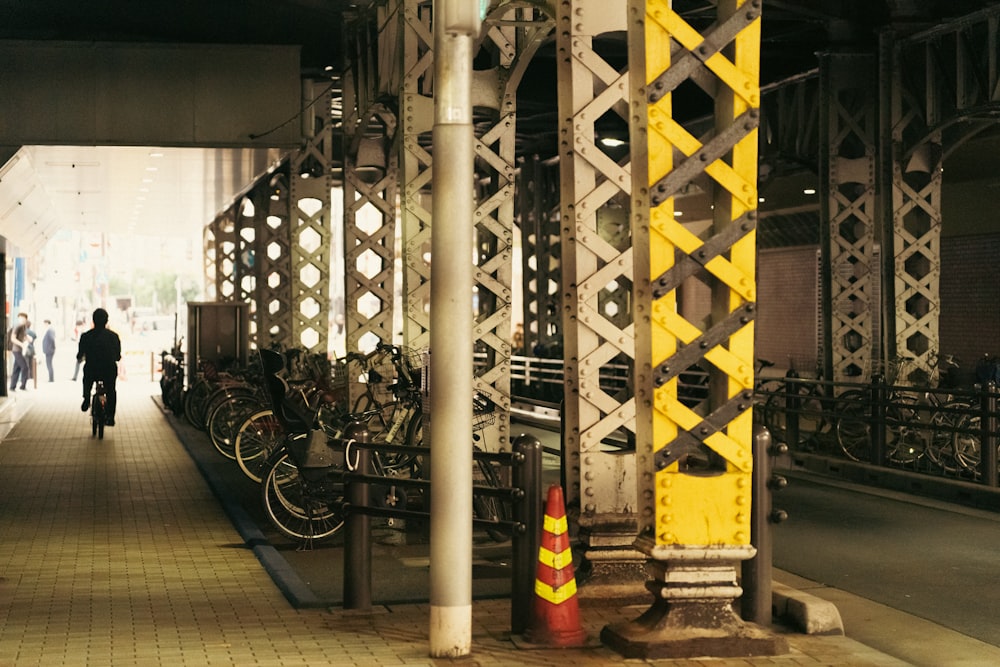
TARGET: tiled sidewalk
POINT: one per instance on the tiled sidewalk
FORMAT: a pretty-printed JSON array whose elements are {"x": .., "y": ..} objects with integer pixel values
[{"x": 115, "y": 552}]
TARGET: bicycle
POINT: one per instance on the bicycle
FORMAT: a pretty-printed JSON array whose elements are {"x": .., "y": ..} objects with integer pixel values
[
  {"x": 486, "y": 508},
  {"x": 909, "y": 436},
  {"x": 98, "y": 410},
  {"x": 804, "y": 398}
]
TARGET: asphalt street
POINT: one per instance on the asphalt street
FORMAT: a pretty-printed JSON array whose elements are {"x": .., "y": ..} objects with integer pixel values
[{"x": 930, "y": 559}]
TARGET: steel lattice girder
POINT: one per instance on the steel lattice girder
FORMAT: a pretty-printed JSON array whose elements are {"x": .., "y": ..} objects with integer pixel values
[
  {"x": 695, "y": 461},
  {"x": 848, "y": 181},
  {"x": 370, "y": 229},
  {"x": 510, "y": 36},
  {"x": 310, "y": 227},
  {"x": 274, "y": 264},
  {"x": 416, "y": 119},
  {"x": 371, "y": 181},
  {"x": 538, "y": 192},
  {"x": 917, "y": 156},
  {"x": 592, "y": 180}
]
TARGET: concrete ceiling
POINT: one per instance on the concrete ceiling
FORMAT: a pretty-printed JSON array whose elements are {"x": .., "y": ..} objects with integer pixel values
[
  {"x": 120, "y": 190},
  {"x": 111, "y": 189}
]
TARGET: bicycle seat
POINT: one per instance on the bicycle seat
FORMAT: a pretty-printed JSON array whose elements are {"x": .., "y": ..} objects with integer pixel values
[{"x": 291, "y": 417}]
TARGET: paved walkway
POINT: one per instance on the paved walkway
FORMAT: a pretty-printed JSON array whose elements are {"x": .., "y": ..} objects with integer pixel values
[{"x": 116, "y": 552}]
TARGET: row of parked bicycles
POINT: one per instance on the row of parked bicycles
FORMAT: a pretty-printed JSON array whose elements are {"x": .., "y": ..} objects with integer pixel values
[
  {"x": 278, "y": 418},
  {"x": 932, "y": 429}
]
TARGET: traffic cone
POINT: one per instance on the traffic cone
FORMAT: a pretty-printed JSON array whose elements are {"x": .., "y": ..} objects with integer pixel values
[{"x": 556, "y": 618}]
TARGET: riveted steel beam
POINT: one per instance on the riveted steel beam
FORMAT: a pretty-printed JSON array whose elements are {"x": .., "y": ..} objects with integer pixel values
[
  {"x": 273, "y": 259},
  {"x": 541, "y": 255},
  {"x": 310, "y": 223},
  {"x": 849, "y": 211},
  {"x": 596, "y": 269},
  {"x": 694, "y": 459},
  {"x": 416, "y": 117},
  {"x": 510, "y": 37},
  {"x": 370, "y": 184}
]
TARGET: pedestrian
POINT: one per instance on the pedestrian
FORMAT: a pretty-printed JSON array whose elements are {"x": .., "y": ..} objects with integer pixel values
[
  {"x": 18, "y": 344},
  {"x": 101, "y": 348},
  {"x": 49, "y": 348},
  {"x": 76, "y": 339},
  {"x": 29, "y": 350}
]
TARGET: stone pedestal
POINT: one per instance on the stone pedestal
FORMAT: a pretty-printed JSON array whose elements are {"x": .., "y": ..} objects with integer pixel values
[
  {"x": 613, "y": 567},
  {"x": 692, "y": 613}
]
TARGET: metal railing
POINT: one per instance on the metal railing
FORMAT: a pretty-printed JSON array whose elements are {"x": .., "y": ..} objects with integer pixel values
[
  {"x": 947, "y": 432},
  {"x": 524, "y": 496}
]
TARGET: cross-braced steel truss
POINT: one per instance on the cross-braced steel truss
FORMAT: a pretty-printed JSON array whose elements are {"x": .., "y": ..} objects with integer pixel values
[
  {"x": 310, "y": 226},
  {"x": 370, "y": 182},
  {"x": 596, "y": 259},
  {"x": 848, "y": 175},
  {"x": 541, "y": 250},
  {"x": 694, "y": 456}
]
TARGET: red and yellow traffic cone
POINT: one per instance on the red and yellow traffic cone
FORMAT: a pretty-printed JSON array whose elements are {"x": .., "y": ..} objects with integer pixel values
[{"x": 556, "y": 619}]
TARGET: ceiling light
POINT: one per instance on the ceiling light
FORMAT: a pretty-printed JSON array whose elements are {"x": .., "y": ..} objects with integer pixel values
[
  {"x": 809, "y": 191},
  {"x": 611, "y": 142}
]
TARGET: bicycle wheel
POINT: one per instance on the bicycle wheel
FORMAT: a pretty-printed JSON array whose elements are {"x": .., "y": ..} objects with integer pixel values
[
  {"x": 97, "y": 412},
  {"x": 853, "y": 425},
  {"x": 225, "y": 420},
  {"x": 966, "y": 444},
  {"x": 488, "y": 508},
  {"x": 257, "y": 438},
  {"x": 219, "y": 396},
  {"x": 299, "y": 508},
  {"x": 810, "y": 413},
  {"x": 906, "y": 437},
  {"x": 193, "y": 400}
]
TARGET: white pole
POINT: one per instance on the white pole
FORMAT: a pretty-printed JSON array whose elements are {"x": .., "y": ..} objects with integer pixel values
[{"x": 451, "y": 323}]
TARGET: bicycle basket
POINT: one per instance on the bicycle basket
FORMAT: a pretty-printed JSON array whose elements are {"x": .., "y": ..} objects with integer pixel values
[{"x": 483, "y": 412}]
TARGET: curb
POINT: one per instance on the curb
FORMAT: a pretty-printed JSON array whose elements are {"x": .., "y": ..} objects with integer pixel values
[
  {"x": 806, "y": 613},
  {"x": 285, "y": 578}
]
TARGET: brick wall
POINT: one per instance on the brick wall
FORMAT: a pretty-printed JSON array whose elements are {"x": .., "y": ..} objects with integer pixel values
[
  {"x": 970, "y": 297},
  {"x": 787, "y": 307}
]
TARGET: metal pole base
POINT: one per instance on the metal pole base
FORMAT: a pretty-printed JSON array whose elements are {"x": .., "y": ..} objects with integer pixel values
[{"x": 692, "y": 616}]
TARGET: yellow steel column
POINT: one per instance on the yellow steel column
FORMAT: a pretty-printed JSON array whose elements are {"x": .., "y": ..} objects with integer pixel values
[{"x": 694, "y": 460}]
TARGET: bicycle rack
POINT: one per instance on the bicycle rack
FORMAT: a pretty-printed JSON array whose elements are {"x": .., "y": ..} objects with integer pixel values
[{"x": 525, "y": 495}]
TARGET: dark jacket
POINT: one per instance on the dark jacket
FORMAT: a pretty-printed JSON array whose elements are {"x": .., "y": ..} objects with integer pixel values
[
  {"x": 102, "y": 349},
  {"x": 49, "y": 342}
]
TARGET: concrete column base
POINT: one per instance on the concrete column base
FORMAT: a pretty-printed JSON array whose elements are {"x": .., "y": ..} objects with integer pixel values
[
  {"x": 692, "y": 614},
  {"x": 617, "y": 574},
  {"x": 613, "y": 567}
]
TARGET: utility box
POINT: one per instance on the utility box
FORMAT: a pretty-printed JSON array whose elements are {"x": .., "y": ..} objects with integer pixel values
[{"x": 217, "y": 332}]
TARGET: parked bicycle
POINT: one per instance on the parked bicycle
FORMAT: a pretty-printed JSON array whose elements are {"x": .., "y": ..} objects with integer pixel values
[
  {"x": 791, "y": 395},
  {"x": 919, "y": 423},
  {"x": 302, "y": 479}
]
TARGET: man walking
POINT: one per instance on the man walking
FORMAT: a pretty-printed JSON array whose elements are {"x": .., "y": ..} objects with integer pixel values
[{"x": 49, "y": 348}]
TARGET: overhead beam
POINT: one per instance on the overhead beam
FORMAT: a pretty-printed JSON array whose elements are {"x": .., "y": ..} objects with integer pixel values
[{"x": 93, "y": 93}]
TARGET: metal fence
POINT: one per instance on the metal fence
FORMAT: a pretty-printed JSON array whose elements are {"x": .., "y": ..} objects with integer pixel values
[{"x": 949, "y": 432}]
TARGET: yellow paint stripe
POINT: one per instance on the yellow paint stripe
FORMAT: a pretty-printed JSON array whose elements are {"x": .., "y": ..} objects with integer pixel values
[
  {"x": 555, "y": 595},
  {"x": 556, "y": 526},
  {"x": 556, "y": 561}
]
